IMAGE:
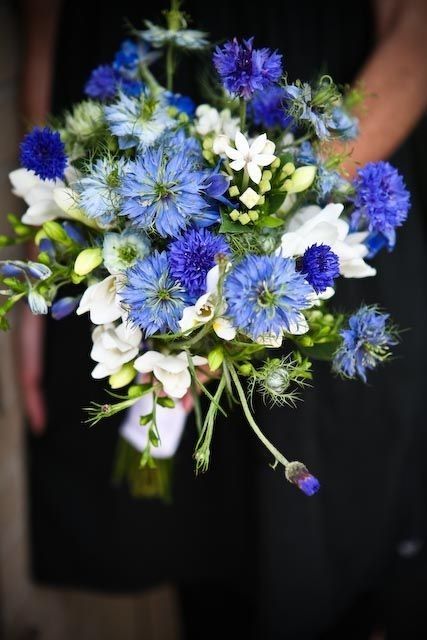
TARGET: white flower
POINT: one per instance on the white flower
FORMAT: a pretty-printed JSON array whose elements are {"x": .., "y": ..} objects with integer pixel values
[
  {"x": 210, "y": 120},
  {"x": 102, "y": 302},
  {"x": 39, "y": 195},
  {"x": 172, "y": 371},
  {"x": 312, "y": 225},
  {"x": 251, "y": 157},
  {"x": 37, "y": 303},
  {"x": 120, "y": 251},
  {"x": 204, "y": 308},
  {"x": 113, "y": 347},
  {"x": 297, "y": 328}
]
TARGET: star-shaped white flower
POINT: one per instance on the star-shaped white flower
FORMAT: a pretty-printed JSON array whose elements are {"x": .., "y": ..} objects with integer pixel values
[{"x": 251, "y": 157}]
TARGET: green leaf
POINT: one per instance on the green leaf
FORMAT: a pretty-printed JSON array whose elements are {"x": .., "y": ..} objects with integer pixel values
[
  {"x": 164, "y": 401},
  {"x": 269, "y": 221},
  {"x": 319, "y": 351},
  {"x": 228, "y": 226},
  {"x": 274, "y": 200}
]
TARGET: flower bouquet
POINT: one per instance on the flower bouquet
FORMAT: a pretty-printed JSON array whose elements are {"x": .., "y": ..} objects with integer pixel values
[{"x": 204, "y": 242}]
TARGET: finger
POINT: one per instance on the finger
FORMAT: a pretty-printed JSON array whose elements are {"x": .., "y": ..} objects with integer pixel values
[{"x": 35, "y": 409}]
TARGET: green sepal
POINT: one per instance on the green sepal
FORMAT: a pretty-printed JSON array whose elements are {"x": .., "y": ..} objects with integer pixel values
[
  {"x": 165, "y": 401},
  {"x": 146, "y": 419}
]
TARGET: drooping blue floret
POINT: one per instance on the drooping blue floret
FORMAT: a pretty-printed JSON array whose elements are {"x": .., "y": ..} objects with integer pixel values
[
  {"x": 183, "y": 103},
  {"x": 102, "y": 83},
  {"x": 163, "y": 193},
  {"x": 155, "y": 301},
  {"x": 43, "y": 152},
  {"x": 100, "y": 190},
  {"x": 381, "y": 200},
  {"x": 268, "y": 108},
  {"x": 191, "y": 257},
  {"x": 320, "y": 266},
  {"x": 365, "y": 343},
  {"x": 265, "y": 295},
  {"x": 64, "y": 307},
  {"x": 244, "y": 70}
]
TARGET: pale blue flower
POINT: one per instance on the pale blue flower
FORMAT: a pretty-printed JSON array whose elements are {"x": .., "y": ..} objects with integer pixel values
[
  {"x": 100, "y": 190},
  {"x": 121, "y": 251},
  {"x": 157, "y": 36}
]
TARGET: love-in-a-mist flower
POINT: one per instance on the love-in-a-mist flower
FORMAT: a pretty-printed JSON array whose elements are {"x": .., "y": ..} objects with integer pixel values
[
  {"x": 120, "y": 251},
  {"x": 265, "y": 295},
  {"x": 251, "y": 157},
  {"x": 99, "y": 191},
  {"x": 244, "y": 70},
  {"x": 102, "y": 302},
  {"x": 381, "y": 200},
  {"x": 154, "y": 300},
  {"x": 191, "y": 39},
  {"x": 43, "y": 152},
  {"x": 113, "y": 346},
  {"x": 171, "y": 370}
]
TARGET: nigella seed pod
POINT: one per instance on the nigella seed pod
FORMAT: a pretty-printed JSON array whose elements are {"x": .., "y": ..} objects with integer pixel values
[
  {"x": 297, "y": 473},
  {"x": 277, "y": 381}
]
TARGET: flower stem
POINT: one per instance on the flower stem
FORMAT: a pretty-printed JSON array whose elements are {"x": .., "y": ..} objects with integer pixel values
[
  {"x": 279, "y": 458},
  {"x": 242, "y": 111},
  {"x": 170, "y": 67}
]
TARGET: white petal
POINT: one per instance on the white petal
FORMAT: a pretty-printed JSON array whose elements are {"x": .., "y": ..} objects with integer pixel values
[
  {"x": 237, "y": 165},
  {"x": 264, "y": 159},
  {"x": 101, "y": 371},
  {"x": 22, "y": 181},
  {"x": 175, "y": 385},
  {"x": 233, "y": 153},
  {"x": 290, "y": 245},
  {"x": 258, "y": 144},
  {"x": 129, "y": 334},
  {"x": 224, "y": 329},
  {"x": 189, "y": 319},
  {"x": 269, "y": 147},
  {"x": 241, "y": 143},
  {"x": 220, "y": 143},
  {"x": 198, "y": 361},
  {"x": 299, "y": 327},
  {"x": 254, "y": 172},
  {"x": 66, "y": 199},
  {"x": 270, "y": 341},
  {"x": 212, "y": 279},
  {"x": 173, "y": 364},
  {"x": 356, "y": 268},
  {"x": 148, "y": 360},
  {"x": 41, "y": 212},
  {"x": 327, "y": 293}
]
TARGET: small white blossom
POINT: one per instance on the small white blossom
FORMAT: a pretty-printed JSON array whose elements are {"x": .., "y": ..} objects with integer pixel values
[
  {"x": 251, "y": 157},
  {"x": 113, "y": 347},
  {"x": 102, "y": 302},
  {"x": 210, "y": 120},
  {"x": 171, "y": 370}
]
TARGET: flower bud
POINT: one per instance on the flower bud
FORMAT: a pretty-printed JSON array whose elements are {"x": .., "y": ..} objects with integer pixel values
[
  {"x": 220, "y": 143},
  {"x": 301, "y": 179},
  {"x": 215, "y": 358},
  {"x": 55, "y": 232},
  {"x": 38, "y": 304},
  {"x": 122, "y": 377},
  {"x": 64, "y": 307},
  {"x": 249, "y": 198},
  {"x": 245, "y": 369},
  {"x": 88, "y": 260},
  {"x": 298, "y": 474}
]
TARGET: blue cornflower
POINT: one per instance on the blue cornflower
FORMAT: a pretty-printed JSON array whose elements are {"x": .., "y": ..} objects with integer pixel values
[
  {"x": 183, "y": 103},
  {"x": 100, "y": 190},
  {"x": 365, "y": 343},
  {"x": 268, "y": 108},
  {"x": 265, "y": 295},
  {"x": 299, "y": 99},
  {"x": 138, "y": 122},
  {"x": 43, "y": 152},
  {"x": 344, "y": 125},
  {"x": 244, "y": 70},
  {"x": 381, "y": 200},
  {"x": 155, "y": 301},
  {"x": 162, "y": 193},
  {"x": 126, "y": 59},
  {"x": 102, "y": 84},
  {"x": 213, "y": 186},
  {"x": 320, "y": 266},
  {"x": 191, "y": 257}
]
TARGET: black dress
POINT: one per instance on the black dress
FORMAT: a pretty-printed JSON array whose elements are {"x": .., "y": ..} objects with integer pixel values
[{"x": 241, "y": 543}]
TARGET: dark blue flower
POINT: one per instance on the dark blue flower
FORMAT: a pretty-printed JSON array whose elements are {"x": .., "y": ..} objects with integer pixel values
[
  {"x": 64, "y": 307},
  {"x": 298, "y": 474},
  {"x": 162, "y": 192},
  {"x": 320, "y": 266},
  {"x": 154, "y": 299},
  {"x": 381, "y": 200},
  {"x": 183, "y": 103},
  {"x": 365, "y": 342},
  {"x": 132, "y": 88},
  {"x": 74, "y": 232},
  {"x": 244, "y": 70},
  {"x": 191, "y": 257},
  {"x": 268, "y": 108},
  {"x": 265, "y": 295},
  {"x": 102, "y": 84},
  {"x": 43, "y": 152},
  {"x": 127, "y": 58}
]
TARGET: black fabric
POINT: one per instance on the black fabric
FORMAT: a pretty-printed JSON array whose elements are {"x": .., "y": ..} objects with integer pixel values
[{"x": 240, "y": 540}]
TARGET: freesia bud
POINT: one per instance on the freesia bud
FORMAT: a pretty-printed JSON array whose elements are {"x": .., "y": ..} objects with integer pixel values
[
  {"x": 38, "y": 304},
  {"x": 122, "y": 377},
  {"x": 88, "y": 260},
  {"x": 55, "y": 232},
  {"x": 301, "y": 179},
  {"x": 215, "y": 358},
  {"x": 220, "y": 143}
]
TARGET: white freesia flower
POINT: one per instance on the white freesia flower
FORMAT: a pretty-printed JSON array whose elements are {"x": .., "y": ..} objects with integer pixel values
[
  {"x": 102, "y": 302},
  {"x": 171, "y": 370},
  {"x": 203, "y": 310},
  {"x": 113, "y": 347},
  {"x": 312, "y": 225},
  {"x": 210, "y": 120},
  {"x": 297, "y": 328},
  {"x": 260, "y": 153},
  {"x": 39, "y": 195}
]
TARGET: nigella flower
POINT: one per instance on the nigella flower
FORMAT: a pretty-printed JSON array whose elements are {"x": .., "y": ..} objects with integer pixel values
[
  {"x": 365, "y": 342},
  {"x": 265, "y": 295},
  {"x": 120, "y": 251},
  {"x": 191, "y": 39},
  {"x": 100, "y": 190},
  {"x": 244, "y": 70},
  {"x": 182, "y": 103},
  {"x": 302, "y": 109},
  {"x": 268, "y": 108},
  {"x": 138, "y": 122},
  {"x": 173, "y": 140},
  {"x": 162, "y": 193},
  {"x": 102, "y": 84},
  {"x": 320, "y": 266},
  {"x": 381, "y": 200},
  {"x": 43, "y": 152},
  {"x": 344, "y": 125},
  {"x": 191, "y": 257},
  {"x": 154, "y": 300}
]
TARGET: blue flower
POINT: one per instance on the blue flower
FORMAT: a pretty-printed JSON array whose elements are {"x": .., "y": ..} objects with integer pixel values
[
  {"x": 126, "y": 59},
  {"x": 173, "y": 140},
  {"x": 265, "y": 295},
  {"x": 74, "y": 232},
  {"x": 100, "y": 190},
  {"x": 102, "y": 84},
  {"x": 162, "y": 193},
  {"x": 120, "y": 251},
  {"x": 298, "y": 474},
  {"x": 213, "y": 187},
  {"x": 268, "y": 108},
  {"x": 155, "y": 300},
  {"x": 138, "y": 122},
  {"x": 327, "y": 180},
  {"x": 320, "y": 266},
  {"x": 365, "y": 343},
  {"x": 381, "y": 200},
  {"x": 191, "y": 257},
  {"x": 302, "y": 110},
  {"x": 190, "y": 39},
  {"x": 183, "y": 103},
  {"x": 132, "y": 88},
  {"x": 43, "y": 152},
  {"x": 344, "y": 125},
  {"x": 244, "y": 70},
  {"x": 64, "y": 307}
]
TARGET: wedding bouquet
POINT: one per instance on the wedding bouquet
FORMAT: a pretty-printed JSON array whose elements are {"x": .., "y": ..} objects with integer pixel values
[{"x": 204, "y": 242}]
